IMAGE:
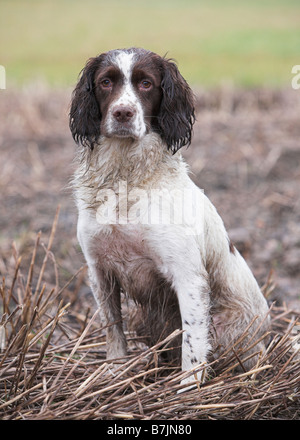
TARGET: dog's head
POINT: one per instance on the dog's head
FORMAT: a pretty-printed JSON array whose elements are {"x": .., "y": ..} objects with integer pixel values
[{"x": 129, "y": 93}]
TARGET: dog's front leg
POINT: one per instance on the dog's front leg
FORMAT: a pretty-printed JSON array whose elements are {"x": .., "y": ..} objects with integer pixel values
[
  {"x": 106, "y": 291},
  {"x": 193, "y": 298},
  {"x": 104, "y": 286}
]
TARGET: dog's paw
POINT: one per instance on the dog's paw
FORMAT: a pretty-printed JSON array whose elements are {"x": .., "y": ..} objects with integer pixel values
[{"x": 192, "y": 381}]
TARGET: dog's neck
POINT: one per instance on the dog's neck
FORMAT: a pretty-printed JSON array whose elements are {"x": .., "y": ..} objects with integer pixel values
[{"x": 140, "y": 163}]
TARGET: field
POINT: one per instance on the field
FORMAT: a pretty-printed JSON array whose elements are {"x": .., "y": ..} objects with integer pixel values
[
  {"x": 245, "y": 154},
  {"x": 244, "y": 42}
]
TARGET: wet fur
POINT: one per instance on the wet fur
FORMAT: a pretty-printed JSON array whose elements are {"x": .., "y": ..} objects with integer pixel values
[{"x": 178, "y": 279}]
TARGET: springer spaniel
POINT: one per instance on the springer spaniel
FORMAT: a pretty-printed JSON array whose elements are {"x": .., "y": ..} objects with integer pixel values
[{"x": 144, "y": 227}]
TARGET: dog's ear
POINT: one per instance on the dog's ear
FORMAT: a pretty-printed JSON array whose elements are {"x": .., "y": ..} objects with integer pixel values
[
  {"x": 85, "y": 115},
  {"x": 177, "y": 113}
]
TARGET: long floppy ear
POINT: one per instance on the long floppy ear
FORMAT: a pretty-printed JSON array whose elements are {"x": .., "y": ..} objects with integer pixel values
[
  {"x": 85, "y": 115},
  {"x": 177, "y": 114}
]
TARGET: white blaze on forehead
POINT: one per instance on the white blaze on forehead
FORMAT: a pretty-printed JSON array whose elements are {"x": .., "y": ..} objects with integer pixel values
[
  {"x": 128, "y": 96},
  {"x": 125, "y": 63}
]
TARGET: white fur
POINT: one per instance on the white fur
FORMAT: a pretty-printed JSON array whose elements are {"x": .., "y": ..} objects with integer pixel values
[
  {"x": 127, "y": 98},
  {"x": 194, "y": 257}
]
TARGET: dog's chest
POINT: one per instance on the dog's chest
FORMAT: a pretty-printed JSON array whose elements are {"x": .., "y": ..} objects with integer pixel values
[{"x": 123, "y": 251}]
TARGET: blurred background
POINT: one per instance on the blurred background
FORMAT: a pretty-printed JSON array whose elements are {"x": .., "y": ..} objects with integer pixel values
[
  {"x": 245, "y": 42},
  {"x": 238, "y": 57}
]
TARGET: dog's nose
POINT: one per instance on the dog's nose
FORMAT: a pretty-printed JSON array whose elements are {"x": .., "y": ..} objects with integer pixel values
[{"x": 123, "y": 113}]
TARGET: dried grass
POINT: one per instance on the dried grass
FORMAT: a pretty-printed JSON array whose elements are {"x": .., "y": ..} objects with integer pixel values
[{"x": 52, "y": 366}]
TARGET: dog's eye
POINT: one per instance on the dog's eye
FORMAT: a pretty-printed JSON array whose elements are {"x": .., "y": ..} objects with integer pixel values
[
  {"x": 145, "y": 84},
  {"x": 106, "y": 83}
]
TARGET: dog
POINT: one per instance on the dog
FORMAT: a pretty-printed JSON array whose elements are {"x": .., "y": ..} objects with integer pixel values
[{"x": 144, "y": 227}]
